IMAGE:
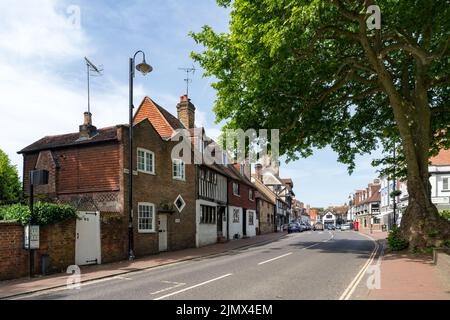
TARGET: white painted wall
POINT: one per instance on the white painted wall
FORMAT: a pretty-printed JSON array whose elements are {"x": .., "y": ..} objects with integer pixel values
[
  {"x": 235, "y": 227},
  {"x": 251, "y": 229},
  {"x": 206, "y": 233}
]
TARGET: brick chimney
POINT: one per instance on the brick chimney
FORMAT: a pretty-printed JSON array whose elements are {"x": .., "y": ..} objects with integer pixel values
[
  {"x": 87, "y": 130},
  {"x": 186, "y": 112},
  {"x": 258, "y": 171}
]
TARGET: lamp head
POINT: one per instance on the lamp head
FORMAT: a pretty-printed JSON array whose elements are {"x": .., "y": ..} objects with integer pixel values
[{"x": 144, "y": 68}]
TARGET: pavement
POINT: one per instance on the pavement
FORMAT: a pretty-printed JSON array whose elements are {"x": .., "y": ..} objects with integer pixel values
[
  {"x": 402, "y": 276},
  {"x": 307, "y": 265},
  {"x": 10, "y": 288},
  {"x": 329, "y": 265}
]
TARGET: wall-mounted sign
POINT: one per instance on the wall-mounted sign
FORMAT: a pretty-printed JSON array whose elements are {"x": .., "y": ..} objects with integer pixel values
[
  {"x": 440, "y": 200},
  {"x": 31, "y": 237}
]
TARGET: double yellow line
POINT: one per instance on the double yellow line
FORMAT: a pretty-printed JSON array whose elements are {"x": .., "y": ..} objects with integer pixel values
[{"x": 352, "y": 286}]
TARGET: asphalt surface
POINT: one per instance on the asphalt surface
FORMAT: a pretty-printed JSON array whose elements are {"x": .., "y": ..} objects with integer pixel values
[{"x": 308, "y": 265}]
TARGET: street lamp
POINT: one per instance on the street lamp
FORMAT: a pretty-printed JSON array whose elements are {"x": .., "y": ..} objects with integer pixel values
[{"x": 143, "y": 68}]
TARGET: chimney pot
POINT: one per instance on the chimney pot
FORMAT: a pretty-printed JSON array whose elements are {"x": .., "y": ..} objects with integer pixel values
[{"x": 87, "y": 118}]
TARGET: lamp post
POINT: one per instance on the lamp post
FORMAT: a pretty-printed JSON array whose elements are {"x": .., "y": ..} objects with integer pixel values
[
  {"x": 394, "y": 188},
  {"x": 144, "y": 68}
]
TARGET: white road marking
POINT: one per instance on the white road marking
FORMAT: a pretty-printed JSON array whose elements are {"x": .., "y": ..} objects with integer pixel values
[
  {"x": 276, "y": 258},
  {"x": 192, "y": 287},
  {"x": 122, "y": 278},
  {"x": 320, "y": 232},
  {"x": 176, "y": 285},
  {"x": 352, "y": 286}
]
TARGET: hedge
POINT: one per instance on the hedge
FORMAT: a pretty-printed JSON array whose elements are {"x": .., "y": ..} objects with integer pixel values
[{"x": 44, "y": 213}]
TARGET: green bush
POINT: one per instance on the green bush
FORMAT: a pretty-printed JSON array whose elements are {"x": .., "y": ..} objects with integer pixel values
[
  {"x": 445, "y": 214},
  {"x": 44, "y": 213},
  {"x": 394, "y": 241}
]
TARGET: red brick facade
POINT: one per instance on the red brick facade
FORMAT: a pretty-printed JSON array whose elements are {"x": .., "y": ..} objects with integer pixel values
[{"x": 57, "y": 241}]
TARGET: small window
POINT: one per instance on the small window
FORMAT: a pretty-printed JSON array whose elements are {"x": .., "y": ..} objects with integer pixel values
[
  {"x": 146, "y": 217},
  {"x": 241, "y": 169},
  {"x": 207, "y": 214},
  {"x": 235, "y": 215},
  {"x": 236, "y": 189},
  {"x": 445, "y": 185},
  {"x": 145, "y": 161},
  {"x": 179, "y": 203},
  {"x": 250, "y": 194},
  {"x": 251, "y": 218},
  {"x": 178, "y": 171}
]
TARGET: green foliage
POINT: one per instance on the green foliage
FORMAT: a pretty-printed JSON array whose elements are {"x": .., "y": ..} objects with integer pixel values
[
  {"x": 301, "y": 66},
  {"x": 395, "y": 242},
  {"x": 445, "y": 214},
  {"x": 9, "y": 180},
  {"x": 44, "y": 213}
]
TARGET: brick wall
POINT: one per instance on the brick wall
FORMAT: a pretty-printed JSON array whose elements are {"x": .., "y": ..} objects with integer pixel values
[
  {"x": 57, "y": 241},
  {"x": 242, "y": 200},
  {"x": 13, "y": 258},
  {"x": 161, "y": 188}
]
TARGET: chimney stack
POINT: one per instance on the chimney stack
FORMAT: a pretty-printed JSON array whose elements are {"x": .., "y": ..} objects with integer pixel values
[
  {"x": 87, "y": 130},
  {"x": 258, "y": 171},
  {"x": 186, "y": 112}
]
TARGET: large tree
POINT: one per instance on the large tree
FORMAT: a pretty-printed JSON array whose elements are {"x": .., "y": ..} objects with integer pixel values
[
  {"x": 9, "y": 180},
  {"x": 316, "y": 71}
]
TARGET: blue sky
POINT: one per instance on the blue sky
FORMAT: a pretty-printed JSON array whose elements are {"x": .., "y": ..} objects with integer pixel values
[{"x": 43, "y": 76}]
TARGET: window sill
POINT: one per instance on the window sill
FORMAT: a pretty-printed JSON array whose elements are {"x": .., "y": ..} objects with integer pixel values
[
  {"x": 179, "y": 179},
  {"x": 147, "y": 172},
  {"x": 146, "y": 231}
]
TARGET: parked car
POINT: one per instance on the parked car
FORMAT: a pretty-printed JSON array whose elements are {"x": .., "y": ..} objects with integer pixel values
[
  {"x": 346, "y": 226},
  {"x": 294, "y": 227},
  {"x": 330, "y": 227},
  {"x": 338, "y": 227},
  {"x": 303, "y": 227},
  {"x": 318, "y": 226}
]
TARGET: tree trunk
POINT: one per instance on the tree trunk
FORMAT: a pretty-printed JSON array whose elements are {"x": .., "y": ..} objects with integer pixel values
[{"x": 421, "y": 224}]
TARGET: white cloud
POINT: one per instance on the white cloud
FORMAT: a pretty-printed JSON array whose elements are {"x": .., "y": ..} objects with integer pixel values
[{"x": 35, "y": 29}]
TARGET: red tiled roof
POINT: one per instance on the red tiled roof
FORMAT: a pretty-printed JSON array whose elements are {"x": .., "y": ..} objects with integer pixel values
[
  {"x": 163, "y": 122},
  {"x": 442, "y": 159},
  {"x": 71, "y": 139}
]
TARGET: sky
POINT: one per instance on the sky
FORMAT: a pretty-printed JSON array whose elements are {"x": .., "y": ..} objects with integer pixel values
[{"x": 43, "y": 85}]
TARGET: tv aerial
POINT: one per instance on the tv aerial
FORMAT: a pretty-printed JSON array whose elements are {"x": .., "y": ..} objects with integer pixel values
[
  {"x": 92, "y": 70},
  {"x": 188, "y": 80}
]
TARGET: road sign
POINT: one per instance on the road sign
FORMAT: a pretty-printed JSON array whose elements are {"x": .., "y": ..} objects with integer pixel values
[{"x": 31, "y": 237}]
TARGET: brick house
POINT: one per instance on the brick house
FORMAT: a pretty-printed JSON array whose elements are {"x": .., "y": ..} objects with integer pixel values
[
  {"x": 86, "y": 171},
  {"x": 242, "y": 220},
  {"x": 89, "y": 170}
]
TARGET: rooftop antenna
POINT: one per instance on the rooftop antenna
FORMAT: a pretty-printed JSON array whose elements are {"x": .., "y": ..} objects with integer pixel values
[
  {"x": 188, "y": 80},
  {"x": 97, "y": 71}
]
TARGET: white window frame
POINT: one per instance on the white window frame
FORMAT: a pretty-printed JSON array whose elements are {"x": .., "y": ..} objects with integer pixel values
[
  {"x": 251, "y": 195},
  {"x": 153, "y": 216},
  {"x": 448, "y": 183},
  {"x": 175, "y": 203},
  {"x": 183, "y": 165},
  {"x": 145, "y": 159},
  {"x": 238, "y": 194}
]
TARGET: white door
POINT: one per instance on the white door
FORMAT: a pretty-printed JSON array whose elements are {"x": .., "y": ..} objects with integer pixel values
[
  {"x": 87, "y": 243},
  {"x": 162, "y": 223}
]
